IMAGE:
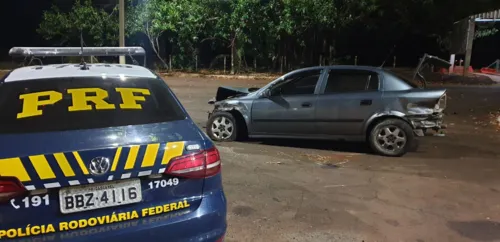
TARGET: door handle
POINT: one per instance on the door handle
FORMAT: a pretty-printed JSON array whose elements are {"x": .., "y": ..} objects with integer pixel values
[
  {"x": 366, "y": 102},
  {"x": 306, "y": 105}
]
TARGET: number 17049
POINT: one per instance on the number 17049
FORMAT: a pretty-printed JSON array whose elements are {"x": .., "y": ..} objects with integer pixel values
[{"x": 163, "y": 183}]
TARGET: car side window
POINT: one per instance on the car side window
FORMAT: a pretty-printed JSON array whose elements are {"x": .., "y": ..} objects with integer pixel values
[
  {"x": 299, "y": 84},
  {"x": 342, "y": 81}
]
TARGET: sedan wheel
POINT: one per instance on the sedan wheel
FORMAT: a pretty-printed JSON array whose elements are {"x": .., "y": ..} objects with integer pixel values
[
  {"x": 391, "y": 137},
  {"x": 222, "y": 127}
]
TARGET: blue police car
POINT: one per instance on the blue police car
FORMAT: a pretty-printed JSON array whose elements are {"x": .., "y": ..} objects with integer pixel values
[{"x": 93, "y": 152}]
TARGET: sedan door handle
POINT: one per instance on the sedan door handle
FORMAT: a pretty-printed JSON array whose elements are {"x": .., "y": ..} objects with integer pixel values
[
  {"x": 306, "y": 105},
  {"x": 366, "y": 102}
]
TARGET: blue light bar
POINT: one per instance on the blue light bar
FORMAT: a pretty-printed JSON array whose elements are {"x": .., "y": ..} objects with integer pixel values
[
  {"x": 486, "y": 20},
  {"x": 76, "y": 51}
]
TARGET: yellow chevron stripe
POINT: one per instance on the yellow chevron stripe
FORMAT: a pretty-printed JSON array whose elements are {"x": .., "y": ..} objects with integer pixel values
[
  {"x": 132, "y": 156},
  {"x": 172, "y": 149},
  {"x": 14, "y": 167},
  {"x": 42, "y": 167},
  {"x": 80, "y": 163},
  {"x": 116, "y": 159},
  {"x": 150, "y": 155},
  {"x": 64, "y": 164}
]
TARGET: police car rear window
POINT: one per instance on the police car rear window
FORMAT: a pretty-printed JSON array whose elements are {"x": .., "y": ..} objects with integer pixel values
[{"x": 62, "y": 104}]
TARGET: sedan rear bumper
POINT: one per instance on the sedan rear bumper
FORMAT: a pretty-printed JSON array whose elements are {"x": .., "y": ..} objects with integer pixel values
[
  {"x": 424, "y": 122},
  {"x": 206, "y": 223}
]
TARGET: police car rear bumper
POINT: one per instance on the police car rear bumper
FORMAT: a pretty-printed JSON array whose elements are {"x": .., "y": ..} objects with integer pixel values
[{"x": 206, "y": 223}]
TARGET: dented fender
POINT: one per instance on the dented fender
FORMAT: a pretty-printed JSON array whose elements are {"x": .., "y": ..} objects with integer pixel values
[
  {"x": 421, "y": 109},
  {"x": 386, "y": 114},
  {"x": 241, "y": 106}
]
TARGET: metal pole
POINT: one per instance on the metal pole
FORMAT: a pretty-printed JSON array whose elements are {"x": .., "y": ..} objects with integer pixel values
[
  {"x": 122, "y": 27},
  {"x": 452, "y": 61},
  {"x": 468, "y": 47}
]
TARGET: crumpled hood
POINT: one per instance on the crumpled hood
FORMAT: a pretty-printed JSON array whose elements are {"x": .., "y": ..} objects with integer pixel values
[{"x": 225, "y": 92}]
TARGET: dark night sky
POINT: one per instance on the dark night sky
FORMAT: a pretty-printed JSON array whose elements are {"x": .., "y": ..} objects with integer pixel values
[{"x": 20, "y": 19}]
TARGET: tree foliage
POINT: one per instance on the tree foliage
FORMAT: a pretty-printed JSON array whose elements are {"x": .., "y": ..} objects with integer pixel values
[
  {"x": 181, "y": 22},
  {"x": 96, "y": 25},
  {"x": 274, "y": 33}
]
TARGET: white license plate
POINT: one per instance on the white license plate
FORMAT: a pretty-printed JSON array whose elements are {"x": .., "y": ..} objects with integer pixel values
[{"x": 102, "y": 195}]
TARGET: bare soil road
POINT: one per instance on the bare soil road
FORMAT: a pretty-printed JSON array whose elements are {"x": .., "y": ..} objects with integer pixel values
[
  {"x": 279, "y": 190},
  {"x": 282, "y": 190}
]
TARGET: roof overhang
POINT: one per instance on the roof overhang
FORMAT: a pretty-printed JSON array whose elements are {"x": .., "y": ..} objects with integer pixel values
[{"x": 492, "y": 16}]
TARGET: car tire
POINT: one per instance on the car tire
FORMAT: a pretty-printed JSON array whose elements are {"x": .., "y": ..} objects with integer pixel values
[
  {"x": 392, "y": 137},
  {"x": 222, "y": 127}
]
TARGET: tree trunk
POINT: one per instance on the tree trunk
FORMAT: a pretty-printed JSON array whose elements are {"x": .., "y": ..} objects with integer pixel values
[
  {"x": 164, "y": 64},
  {"x": 325, "y": 52},
  {"x": 233, "y": 48},
  {"x": 295, "y": 56},
  {"x": 156, "y": 48},
  {"x": 313, "y": 49},
  {"x": 333, "y": 52},
  {"x": 281, "y": 64}
]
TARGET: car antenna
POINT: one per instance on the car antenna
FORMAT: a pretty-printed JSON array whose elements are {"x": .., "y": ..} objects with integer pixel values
[
  {"x": 82, "y": 63},
  {"x": 390, "y": 53}
]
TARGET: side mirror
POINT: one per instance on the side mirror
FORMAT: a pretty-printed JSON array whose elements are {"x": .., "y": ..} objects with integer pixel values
[{"x": 266, "y": 93}]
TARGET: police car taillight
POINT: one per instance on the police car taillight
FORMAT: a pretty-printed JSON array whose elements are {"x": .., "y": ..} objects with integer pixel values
[
  {"x": 10, "y": 187},
  {"x": 221, "y": 239},
  {"x": 199, "y": 165}
]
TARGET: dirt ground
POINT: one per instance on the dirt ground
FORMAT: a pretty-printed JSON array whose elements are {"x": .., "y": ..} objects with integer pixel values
[{"x": 281, "y": 190}]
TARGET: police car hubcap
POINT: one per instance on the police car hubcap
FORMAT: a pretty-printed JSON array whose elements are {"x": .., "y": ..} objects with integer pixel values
[{"x": 222, "y": 128}]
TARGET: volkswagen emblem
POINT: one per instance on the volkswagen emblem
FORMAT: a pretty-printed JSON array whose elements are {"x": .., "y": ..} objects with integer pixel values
[{"x": 99, "y": 166}]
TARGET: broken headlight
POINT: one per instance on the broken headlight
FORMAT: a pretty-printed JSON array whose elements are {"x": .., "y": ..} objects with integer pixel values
[{"x": 441, "y": 104}]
